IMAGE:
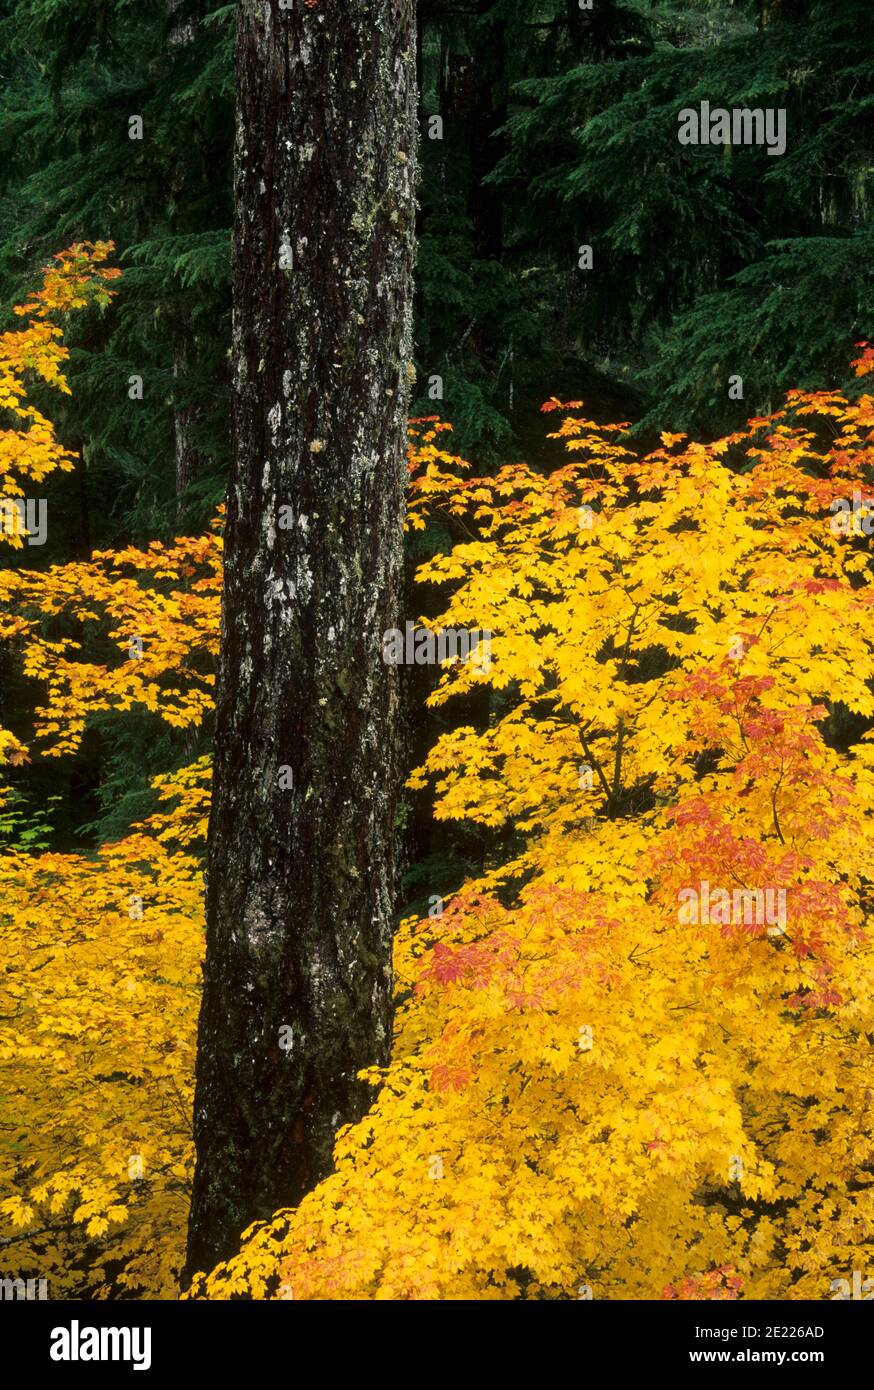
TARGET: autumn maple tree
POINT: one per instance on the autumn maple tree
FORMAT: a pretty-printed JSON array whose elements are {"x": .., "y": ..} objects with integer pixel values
[
  {"x": 592, "y": 1093},
  {"x": 590, "y": 1096},
  {"x": 29, "y": 448},
  {"x": 100, "y": 951}
]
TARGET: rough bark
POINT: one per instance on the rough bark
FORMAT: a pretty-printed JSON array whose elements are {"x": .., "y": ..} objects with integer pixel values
[
  {"x": 300, "y": 881},
  {"x": 189, "y": 460}
]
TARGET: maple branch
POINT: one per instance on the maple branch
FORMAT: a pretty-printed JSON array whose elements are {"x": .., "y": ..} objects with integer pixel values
[
  {"x": 623, "y": 660},
  {"x": 31, "y": 1235},
  {"x": 774, "y": 791},
  {"x": 620, "y": 727},
  {"x": 617, "y": 760},
  {"x": 595, "y": 764}
]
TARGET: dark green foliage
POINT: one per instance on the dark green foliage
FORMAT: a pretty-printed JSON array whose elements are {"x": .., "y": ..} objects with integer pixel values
[
  {"x": 707, "y": 261},
  {"x": 75, "y": 73}
]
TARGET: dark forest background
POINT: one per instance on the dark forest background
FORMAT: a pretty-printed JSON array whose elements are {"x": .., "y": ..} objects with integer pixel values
[{"x": 544, "y": 127}]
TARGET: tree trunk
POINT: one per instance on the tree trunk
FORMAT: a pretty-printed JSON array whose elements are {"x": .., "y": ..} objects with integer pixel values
[
  {"x": 297, "y": 980},
  {"x": 189, "y": 461}
]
